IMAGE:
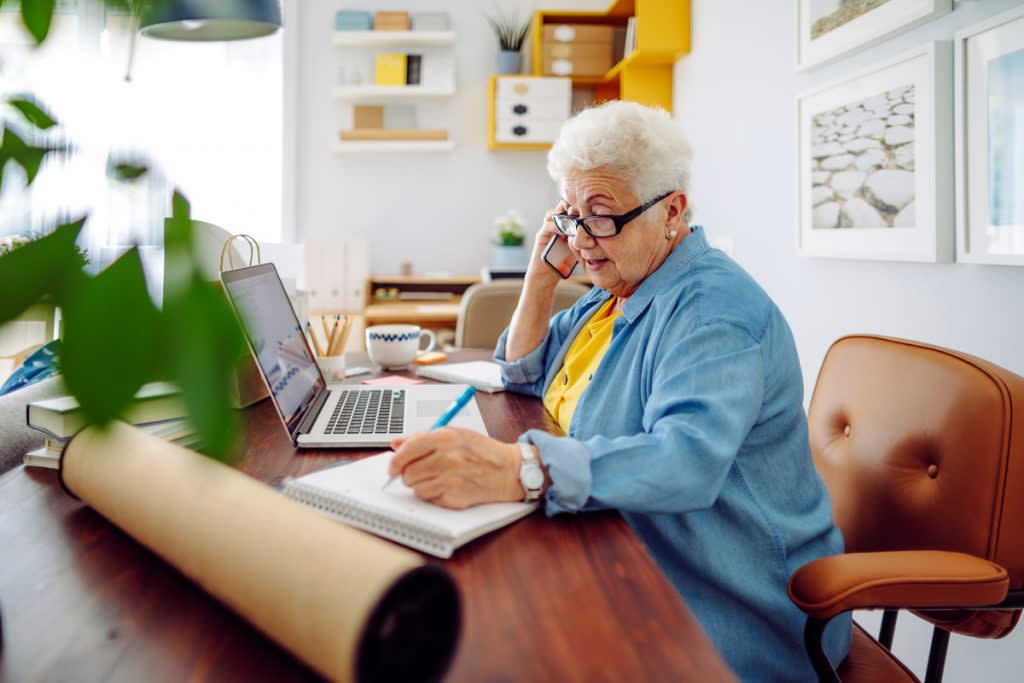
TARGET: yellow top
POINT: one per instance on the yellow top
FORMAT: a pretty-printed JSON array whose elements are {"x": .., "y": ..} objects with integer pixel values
[{"x": 579, "y": 365}]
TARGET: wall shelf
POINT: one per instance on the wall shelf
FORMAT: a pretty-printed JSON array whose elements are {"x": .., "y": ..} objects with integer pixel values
[
  {"x": 645, "y": 76},
  {"x": 363, "y": 146},
  {"x": 370, "y": 38},
  {"x": 353, "y": 93}
]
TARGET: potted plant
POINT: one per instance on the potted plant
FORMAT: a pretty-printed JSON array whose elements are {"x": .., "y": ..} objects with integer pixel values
[
  {"x": 509, "y": 251},
  {"x": 510, "y": 30},
  {"x": 114, "y": 337}
]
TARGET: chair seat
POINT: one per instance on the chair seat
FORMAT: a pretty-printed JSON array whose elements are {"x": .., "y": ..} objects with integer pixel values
[{"x": 870, "y": 662}]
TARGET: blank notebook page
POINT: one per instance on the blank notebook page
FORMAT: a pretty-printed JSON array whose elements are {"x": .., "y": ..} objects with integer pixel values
[{"x": 355, "y": 491}]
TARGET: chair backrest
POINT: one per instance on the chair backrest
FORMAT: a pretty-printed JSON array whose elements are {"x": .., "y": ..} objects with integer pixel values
[
  {"x": 921, "y": 448},
  {"x": 487, "y": 308}
]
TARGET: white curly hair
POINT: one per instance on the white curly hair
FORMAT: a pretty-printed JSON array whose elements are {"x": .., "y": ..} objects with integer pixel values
[{"x": 642, "y": 145}]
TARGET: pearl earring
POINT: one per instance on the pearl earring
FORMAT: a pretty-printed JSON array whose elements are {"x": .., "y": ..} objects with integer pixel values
[{"x": 671, "y": 234}]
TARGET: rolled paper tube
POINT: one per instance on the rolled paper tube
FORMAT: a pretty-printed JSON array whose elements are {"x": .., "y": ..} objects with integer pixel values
[{"x": 351, "y": 606}]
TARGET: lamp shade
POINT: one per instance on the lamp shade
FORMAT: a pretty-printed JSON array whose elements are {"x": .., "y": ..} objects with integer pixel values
[{"x": 209, "y": 19}]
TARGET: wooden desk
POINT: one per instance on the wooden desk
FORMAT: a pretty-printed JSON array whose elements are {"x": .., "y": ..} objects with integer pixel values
[{"x": 574, "y": 598}]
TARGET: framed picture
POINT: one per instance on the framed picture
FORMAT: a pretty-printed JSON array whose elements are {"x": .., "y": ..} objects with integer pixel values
[
  {"x": 875, "y": 161},
  {"x": 990, "y": 140},
  {"x": 827, "y": 29}
]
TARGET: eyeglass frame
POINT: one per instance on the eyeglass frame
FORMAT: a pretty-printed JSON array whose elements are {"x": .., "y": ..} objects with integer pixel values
[{"x": 620, "y": 221}]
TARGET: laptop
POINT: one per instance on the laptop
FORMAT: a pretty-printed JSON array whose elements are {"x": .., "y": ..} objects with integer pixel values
[{"x": 343, "y": 416}]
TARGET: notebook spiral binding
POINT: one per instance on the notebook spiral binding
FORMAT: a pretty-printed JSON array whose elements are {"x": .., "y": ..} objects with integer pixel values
[{"x": 424, "y": 536}]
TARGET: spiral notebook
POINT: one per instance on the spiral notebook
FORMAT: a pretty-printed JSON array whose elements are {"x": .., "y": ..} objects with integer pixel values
[
  {"x": 352, "y": 494},
  {"x": 482, "y": 374}
]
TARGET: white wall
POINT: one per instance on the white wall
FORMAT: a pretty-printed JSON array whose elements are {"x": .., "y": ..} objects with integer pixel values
[
  {"x": 434, "y": 209},
  {"x": 734, "y": 95}
]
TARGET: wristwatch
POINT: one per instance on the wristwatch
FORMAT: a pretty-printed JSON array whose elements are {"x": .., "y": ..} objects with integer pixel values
[{"x": 531, "y": 476}]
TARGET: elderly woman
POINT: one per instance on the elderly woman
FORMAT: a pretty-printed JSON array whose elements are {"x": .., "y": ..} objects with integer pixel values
[{"x": 677, "y": 383}]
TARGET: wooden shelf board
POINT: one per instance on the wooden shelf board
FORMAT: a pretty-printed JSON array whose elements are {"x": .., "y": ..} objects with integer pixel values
[
  {"x": 390, "y": 92},
  {"x": 363, "y": 38},
  {"x": 349, "y": 146},
  {"x": 520, "y": 146}
]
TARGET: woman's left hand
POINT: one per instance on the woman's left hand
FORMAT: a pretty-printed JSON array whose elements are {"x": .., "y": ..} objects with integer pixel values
[{"x": 457, "y": 468}]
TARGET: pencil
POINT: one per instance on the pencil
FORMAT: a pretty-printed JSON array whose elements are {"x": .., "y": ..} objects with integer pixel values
[
  {"x": 332, "y": 338},
  {"x": 316, "y": 342},
  {"x": 345, "y": 329},
  {"x": 323, "y": 320}
]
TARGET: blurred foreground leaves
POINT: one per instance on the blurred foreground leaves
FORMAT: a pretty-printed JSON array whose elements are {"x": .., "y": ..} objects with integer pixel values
[{"x": 115, "y": 339}]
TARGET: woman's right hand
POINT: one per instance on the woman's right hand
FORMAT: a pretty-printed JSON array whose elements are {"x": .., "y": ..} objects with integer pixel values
[{"x": 538, "y": 270}]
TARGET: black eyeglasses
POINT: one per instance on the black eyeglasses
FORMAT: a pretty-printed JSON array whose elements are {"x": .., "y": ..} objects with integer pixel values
[{"x": 600, "y": 226}]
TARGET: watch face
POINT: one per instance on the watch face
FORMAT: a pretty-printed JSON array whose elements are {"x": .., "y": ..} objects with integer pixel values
[{"x": 532, "y": 478}]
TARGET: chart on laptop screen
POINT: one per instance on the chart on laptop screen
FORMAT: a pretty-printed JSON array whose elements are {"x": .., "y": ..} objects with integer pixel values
[{"x": 277, "y": 339}]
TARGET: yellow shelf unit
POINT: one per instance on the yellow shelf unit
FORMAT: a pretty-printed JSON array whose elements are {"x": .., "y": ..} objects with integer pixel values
[
  {"x": 645, "y": 76},
  {"x": 492, "y": 96}
]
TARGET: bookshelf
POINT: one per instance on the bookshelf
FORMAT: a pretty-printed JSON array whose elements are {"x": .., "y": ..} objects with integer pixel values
[
  {"x": 382, "y": 38},
  {"x": 644, "y": 76},
  {"x": 420, "y": 106}
]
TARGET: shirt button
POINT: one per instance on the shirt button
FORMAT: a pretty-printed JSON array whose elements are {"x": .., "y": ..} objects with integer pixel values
[
  {"x": 565, "y": 379},
  {"x": 590, "y": 377}
]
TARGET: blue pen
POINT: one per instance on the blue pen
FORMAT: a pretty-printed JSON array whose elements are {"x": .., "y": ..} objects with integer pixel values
[{"x": 453, "y": 410}]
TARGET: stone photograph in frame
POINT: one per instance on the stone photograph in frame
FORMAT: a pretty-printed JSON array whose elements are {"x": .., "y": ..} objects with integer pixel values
[
  {"x": 990, "y": 140},
  {"x": 827, "y": 29},
  {"x": 875, "y": 161}
]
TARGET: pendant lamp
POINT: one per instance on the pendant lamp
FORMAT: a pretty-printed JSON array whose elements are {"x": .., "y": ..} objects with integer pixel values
[{"x": 207, "y": 20}]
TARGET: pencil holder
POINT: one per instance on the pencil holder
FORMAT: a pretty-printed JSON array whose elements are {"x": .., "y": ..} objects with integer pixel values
[{"x": 333, "y": 367}]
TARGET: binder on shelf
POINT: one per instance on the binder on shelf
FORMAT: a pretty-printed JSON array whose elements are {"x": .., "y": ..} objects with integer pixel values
[
  {"x": 413, "y": 69},
  {"x": 390, "y": 69}
]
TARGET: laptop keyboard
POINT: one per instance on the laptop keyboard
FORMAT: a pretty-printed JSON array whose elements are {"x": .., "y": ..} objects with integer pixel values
[{"x": 373, "y": 411}]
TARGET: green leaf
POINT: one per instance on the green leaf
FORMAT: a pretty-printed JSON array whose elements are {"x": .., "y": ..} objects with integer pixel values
[
  {"x": 128, "y": 172},
  {"x": 47, "y": 266},
  {"x": 111, "y": 330},
  {"x": 204, "y": 346},
  {"x": 37, "y": 16},
  {"x": 33, "y": 113},
  {"x": 29, "y": 157}
]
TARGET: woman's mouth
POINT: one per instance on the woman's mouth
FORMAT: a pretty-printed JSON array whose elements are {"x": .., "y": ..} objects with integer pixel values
[{"x": 595, "y": 264}]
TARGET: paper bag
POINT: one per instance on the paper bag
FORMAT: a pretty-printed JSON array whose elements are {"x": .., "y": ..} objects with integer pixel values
[{"x": 249, "y": 387}]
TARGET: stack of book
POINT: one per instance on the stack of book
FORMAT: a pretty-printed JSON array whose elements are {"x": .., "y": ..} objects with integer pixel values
[
  {"x": 430, "y": 21},
  {"x": 158, "y": 409},
  {"x": 353, "y": 20},
  {"x": 391, "y": 21}
]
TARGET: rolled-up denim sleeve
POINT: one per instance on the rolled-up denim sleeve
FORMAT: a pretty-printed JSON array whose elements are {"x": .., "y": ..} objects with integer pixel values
[
  {"x": 526, "y": 375},
  {"x": 706, "y": 395}
]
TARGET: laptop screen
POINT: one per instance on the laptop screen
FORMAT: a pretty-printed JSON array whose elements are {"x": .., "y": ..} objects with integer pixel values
[{"x": 276, "y": 338}]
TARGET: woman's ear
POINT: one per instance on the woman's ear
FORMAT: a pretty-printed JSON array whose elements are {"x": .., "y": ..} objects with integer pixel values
[{"x": 675, "y": 210}]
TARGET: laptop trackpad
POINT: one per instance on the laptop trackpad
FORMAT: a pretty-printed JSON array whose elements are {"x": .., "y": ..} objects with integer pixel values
[{"x": 431, "y": 407}]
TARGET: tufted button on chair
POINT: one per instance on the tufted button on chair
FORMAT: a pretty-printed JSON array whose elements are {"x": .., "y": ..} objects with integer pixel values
[{"x": 922, "y": 451}]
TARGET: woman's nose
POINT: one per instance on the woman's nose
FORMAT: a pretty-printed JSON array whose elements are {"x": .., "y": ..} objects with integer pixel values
[{"x": 582, "y": 239}]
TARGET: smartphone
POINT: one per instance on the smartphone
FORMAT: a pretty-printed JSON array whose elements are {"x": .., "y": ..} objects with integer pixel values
[{"x": 559, "y": 257}]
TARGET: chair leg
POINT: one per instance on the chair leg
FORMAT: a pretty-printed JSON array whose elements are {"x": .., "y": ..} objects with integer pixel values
[
  {"x": 814, "y": 632},
  {"x": 888, "y": 628},
  {"x": 937, "y": 656}
]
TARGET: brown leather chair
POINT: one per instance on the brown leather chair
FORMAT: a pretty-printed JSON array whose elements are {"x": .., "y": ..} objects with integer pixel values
[
  {"x": 922, "y": 450},
  {"x": 487, "y": 308}
]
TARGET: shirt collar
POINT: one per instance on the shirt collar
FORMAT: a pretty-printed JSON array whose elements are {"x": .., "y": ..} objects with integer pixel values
[{"x": 692, "y": 246}]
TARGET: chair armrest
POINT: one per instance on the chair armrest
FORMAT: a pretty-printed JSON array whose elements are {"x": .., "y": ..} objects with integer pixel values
[{"x": 911, "y": 578}]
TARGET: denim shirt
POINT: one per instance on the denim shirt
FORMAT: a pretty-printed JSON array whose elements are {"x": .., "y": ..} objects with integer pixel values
[{"x": 693, "y": 427}]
